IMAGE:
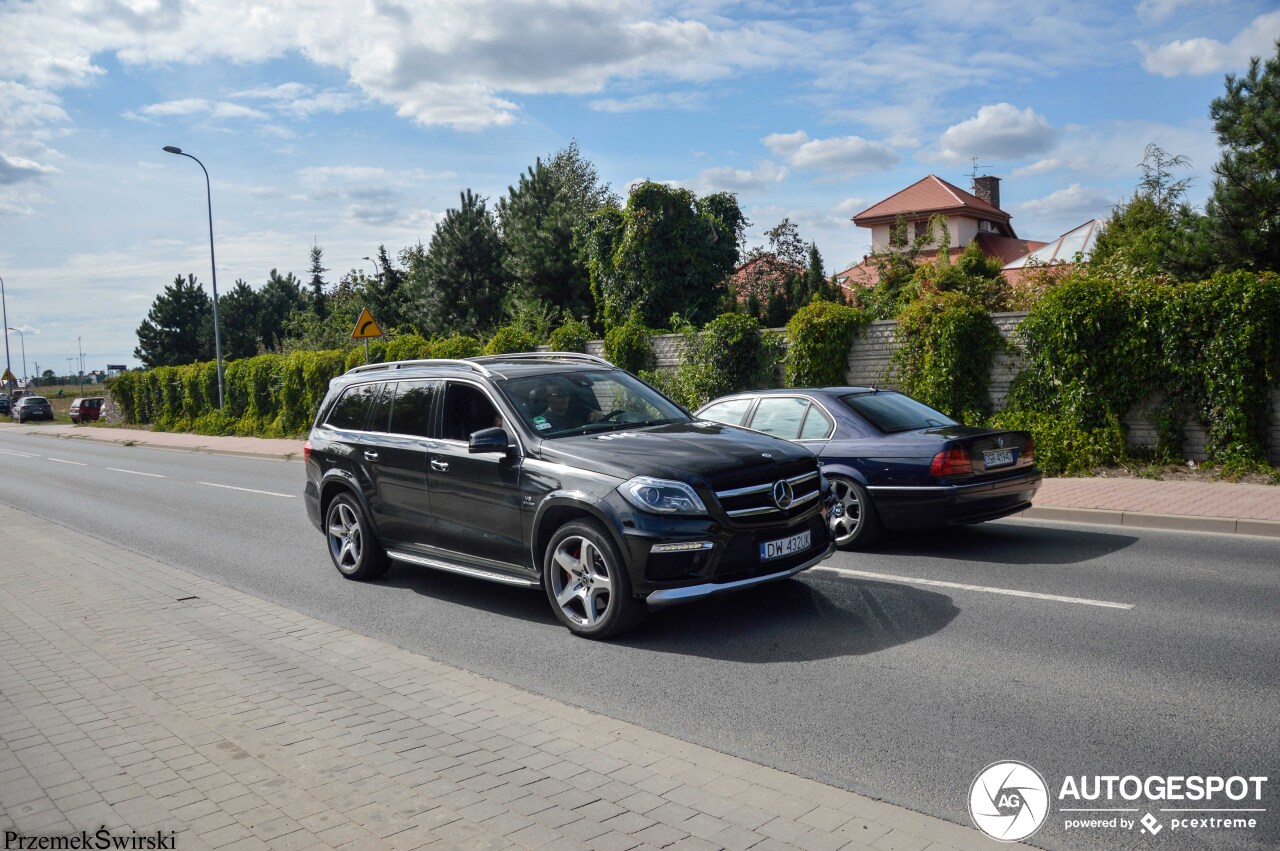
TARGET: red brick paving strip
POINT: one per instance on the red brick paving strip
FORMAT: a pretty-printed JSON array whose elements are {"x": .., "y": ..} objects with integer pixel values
[{"x": 1201, "y": 499}]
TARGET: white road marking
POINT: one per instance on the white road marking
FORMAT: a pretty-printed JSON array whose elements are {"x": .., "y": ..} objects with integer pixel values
[
  {"x": 844, "y": 571},
  {"x": 249, "y": 490},
  {"x": 64, "y": 461},
  {"x": 136, "y": 473},
  {"x": 19, "y": 454}
]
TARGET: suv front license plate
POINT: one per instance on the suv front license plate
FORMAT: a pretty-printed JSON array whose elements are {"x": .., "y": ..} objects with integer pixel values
[{"x": 784, "y": 547}]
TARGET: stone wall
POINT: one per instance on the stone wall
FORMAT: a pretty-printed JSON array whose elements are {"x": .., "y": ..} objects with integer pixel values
[{"x": 868, "y": 366}]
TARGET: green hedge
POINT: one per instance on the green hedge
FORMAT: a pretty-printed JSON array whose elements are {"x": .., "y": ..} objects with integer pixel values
[
  {"x": 457, "y": 346},
  {"x": 818, "y": 337},
  {"x": 731, "y": 353},
  {"x": 1095, "y": 347},
  {"x": 572, "y": 336},
  {"x": 264, "y": 396},
  {"x": 629, "y": 345},
  {"x": 946, "y": 345},
  {"x": 509, "y": 339}
]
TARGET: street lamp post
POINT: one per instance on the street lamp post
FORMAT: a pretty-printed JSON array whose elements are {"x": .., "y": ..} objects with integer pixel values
[
  {"x": 4, "y": 309},
  {"x": 217, "y": 334},
  {"x": 23, "y": 339}
]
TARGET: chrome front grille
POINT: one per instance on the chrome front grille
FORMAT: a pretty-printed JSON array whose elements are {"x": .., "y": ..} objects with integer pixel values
[{"x": 758, "y": 500}]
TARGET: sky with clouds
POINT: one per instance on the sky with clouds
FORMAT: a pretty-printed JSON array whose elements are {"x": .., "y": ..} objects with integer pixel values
[{"x": 356, "y": 123}]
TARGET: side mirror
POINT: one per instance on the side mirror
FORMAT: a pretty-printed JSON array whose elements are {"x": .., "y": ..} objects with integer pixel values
[{"x": 488, "y": 440}]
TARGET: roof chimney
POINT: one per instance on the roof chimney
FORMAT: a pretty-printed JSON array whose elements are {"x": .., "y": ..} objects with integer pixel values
[{"x": 987, "y": 187}]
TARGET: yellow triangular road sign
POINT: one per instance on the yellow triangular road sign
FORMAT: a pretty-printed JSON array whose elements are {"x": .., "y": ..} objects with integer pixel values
[
  {"x": 366, "y": 327},
  {"x": 8, "y": 376}
]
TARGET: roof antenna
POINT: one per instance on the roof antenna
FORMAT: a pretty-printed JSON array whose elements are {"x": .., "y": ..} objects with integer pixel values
[{"x": 973, "y": 175}]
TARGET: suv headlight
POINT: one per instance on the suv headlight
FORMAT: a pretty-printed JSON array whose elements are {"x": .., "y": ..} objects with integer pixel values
[{"x": 661, "y": 496}]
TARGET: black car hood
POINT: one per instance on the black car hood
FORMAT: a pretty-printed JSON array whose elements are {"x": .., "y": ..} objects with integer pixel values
[{"x": 683, "y": 451}]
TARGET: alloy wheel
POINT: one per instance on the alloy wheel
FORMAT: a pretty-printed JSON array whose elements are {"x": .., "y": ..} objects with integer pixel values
[
  {"x": 581, "y": 581},
  {"x": 346, "y": 543},
  {"x": 846, "y": 527}
]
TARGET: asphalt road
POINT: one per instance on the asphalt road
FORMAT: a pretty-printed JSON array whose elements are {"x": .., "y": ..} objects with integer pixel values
[{"x": 1145, "y": 653}]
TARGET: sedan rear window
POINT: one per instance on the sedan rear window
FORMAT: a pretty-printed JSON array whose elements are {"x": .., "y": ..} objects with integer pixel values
[{"x": 892, "y": 412}]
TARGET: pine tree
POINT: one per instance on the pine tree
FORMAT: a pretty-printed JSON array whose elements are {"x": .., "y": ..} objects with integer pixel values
[
  {"x": 459, "y": 282},
  {"x": 317, "y": 282},
  {"x": 1244, "y": 210},
  {"x": 240, "y": 312},
  {"x": 538, "y": 219},
  {"x": 280, "y": 298},
  {"x": 179, "y": 327}
]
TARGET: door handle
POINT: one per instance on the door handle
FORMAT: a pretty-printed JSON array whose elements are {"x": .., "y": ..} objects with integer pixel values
[
  {"x": 439, "y": 465},
  {"x": 370, "y": 455}
]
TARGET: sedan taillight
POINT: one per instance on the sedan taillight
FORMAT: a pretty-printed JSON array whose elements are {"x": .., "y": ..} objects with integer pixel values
[
  {"x": 951, "y": 462},
  {"x": 1030, "y": 451},
  {"x": 306, "y": 451}
]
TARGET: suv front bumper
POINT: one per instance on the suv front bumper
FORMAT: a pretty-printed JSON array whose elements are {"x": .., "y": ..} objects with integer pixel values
[{"x": 684, "y": 594}]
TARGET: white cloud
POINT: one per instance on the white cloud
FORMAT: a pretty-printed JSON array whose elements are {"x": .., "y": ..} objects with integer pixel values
[
  {"x": 1053, "y": 164},
  {"x": 841, "y": 155},
  {"x": 434, "y": 61},
  {"x": 301, "y": 100},
  {"x": 1075, "y": 200},
  {"x": 850, "y": 206},
  {"x": 999, "y": 131},
  {"x": 198, "y": 106},
  {"x": 1157, "y": 10},
  {"x": 653, "y": 100},
  {"x": 729, "y": 179},
  {"x": 1197, "y": 56},
  {"x": 17, "y": 169}
]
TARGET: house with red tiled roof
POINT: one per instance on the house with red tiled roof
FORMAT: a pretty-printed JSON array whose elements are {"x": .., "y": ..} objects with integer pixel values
[{"x": 971, "y": 217}]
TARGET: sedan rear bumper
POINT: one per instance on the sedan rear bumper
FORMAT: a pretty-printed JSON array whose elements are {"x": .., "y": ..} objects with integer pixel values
[{"x": 925, "y": 506}]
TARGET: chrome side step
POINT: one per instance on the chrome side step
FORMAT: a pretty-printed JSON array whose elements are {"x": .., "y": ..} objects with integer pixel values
[{"x": 473, "y": 572}]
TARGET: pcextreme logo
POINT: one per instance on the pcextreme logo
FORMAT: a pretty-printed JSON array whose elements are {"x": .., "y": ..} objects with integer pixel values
[{"x": 1008, "y": 800}]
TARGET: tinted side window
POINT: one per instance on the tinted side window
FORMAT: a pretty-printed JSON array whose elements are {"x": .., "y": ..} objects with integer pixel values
[
  {"x": 730, "y": 412},
  {"x": 780, "y": 416},
  {"x": 817, "y": 425},
  {"x": 411, "y": 410},
  {"x": 467, "y": 409},
  {"x": 352, "y": 410},
  {"x": 381, "y": 413}
]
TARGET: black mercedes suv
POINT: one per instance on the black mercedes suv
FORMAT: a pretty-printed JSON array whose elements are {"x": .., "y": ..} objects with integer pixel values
[{"x": 556, "y": 470}]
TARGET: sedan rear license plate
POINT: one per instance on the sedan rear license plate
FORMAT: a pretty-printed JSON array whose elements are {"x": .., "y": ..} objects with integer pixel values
[
  {"x": 997, "y": 458},
  {"x": 771, "y": 550}
]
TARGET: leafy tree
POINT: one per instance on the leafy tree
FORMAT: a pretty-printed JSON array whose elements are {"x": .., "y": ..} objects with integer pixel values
[
  {"x": 538, "y": 218},
  {"x": 666, "y": 252},
  {"x": 973, "y": 273},
  {"x": 1154, "y": 233},
  {"x": 179, "y": 327},
  {"x": 459, "y": 282},
  {"x": 578, "y": 177},
  {"x": 1244, "y": 210},
  {"x": 317, "y": 281},
  {"x": 240, "y": 312},
  {"x": 280, "y": 298}
]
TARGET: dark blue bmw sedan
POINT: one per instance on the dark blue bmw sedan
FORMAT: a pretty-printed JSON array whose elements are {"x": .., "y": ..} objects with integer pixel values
[{"x": 893, "y": 462}]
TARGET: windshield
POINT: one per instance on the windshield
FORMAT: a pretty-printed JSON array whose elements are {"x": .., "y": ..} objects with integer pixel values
[
  {"x": 892, "y": 412},
  {"x": 561, "y": 404}
]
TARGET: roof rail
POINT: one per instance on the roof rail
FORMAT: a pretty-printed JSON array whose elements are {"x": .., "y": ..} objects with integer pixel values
[
  {"x": 579, "y": 356},
  {"x": 429, "y": 362}
]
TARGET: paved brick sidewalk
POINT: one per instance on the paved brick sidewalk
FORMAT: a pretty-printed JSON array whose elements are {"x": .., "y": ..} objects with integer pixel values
[
  {"x": 141, "y": 698},
  {"x": 1191, "y": 506}
]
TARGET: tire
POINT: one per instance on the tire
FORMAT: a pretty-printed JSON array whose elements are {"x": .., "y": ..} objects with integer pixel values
[
  {"x": 860, "y": 525},
  {"x": 353, "y": 547},
  {"x": 577, "y": 591}
]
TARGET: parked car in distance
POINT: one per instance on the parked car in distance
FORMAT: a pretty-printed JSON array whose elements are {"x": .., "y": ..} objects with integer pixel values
[
  {"x": 32, "y": 408},
  {"x": 86, "y": 409},
  {"x": 892, "y": 461},
  {"x": 5, "y": 405},
  {"x": 558, "y": 471}
]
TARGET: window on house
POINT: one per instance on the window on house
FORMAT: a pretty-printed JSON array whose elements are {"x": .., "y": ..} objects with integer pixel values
[{"x": 922, "y": 228}]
